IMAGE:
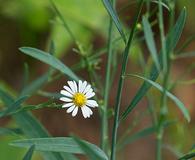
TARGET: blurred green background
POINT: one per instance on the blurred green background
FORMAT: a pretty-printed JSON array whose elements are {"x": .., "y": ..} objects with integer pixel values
[{"x": 33, "y": 23}]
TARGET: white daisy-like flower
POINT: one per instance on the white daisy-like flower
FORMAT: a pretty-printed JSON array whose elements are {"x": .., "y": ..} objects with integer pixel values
[{"x": 78, "y": 96}]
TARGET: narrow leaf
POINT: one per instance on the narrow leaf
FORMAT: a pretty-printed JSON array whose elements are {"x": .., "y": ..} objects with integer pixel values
[
  {"x": 180, "y": 105},
  {"x": 35, "y": 85},
  {"x": 188, "y": 156},
  {"x": 150, "y": 41},
  {"x": 28, "y": 155},
  {"x": 171, "y": 42},
  {"x": 114, "y": 17},
  {"x": 30, "y": 126},
  {"x": 92, "y": 151},
  {"x": 57, "y": 144},
  {"x": 185, "y": 55},
  {"x": 50, "y": 60},
  {"x": 10, "y": 131},
  {"x": 14, "y": 106},
  {"x": 143, "y": 133},
  {"x": 162, "y": 3}
]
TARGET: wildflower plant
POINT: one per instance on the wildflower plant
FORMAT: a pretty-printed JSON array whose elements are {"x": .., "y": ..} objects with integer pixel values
[{"x": 92, "y": 95}]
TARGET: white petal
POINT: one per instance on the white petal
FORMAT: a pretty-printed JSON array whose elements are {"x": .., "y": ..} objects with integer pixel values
[
  {"x": 83, "y": 86},
  {"x": 71, "y": 84},
  {"x": 80, "y": 85},
  {"x": 65, "y": 99},
  {"x": 74, "y": 113},
  {"x": 75, "y": 86},
  {"x": 87, "y": 88},
  {"x": 67, "y": 105},
  {"x": 84, "y": 111},
  {"x": 70, "y": 109},
  {"x": 68, "y": 89},
  {"x": 92, "y": 103},
  {"x": 89, "y": 111},
  {"x": 89, "y": 94},
  {"x": 66, "y": 93}
]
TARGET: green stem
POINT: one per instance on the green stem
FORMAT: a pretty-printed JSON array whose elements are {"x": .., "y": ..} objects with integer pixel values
[
  {"x": 104, "y": 131},
  {"x": 162, "y": 35},
  {"x": 159, "y": 144},
  {"x": 166, "y": 67},
  {"x": 121, "y": 82}
]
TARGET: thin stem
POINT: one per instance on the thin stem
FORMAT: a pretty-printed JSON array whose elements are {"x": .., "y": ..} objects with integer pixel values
[
  {"x": 104, "y": 134},
  {"x": 121, "y": 82},
  {"x": 163, "y": 106},
  {"x": 162, "y": 35}
]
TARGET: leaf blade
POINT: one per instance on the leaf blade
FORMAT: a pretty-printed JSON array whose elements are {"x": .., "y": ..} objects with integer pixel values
[
  {"x": 150, "y": 41},
  {"x": 171, "y": 42},
  {"x": 50, "y": 60},
  {"x": 29, "y": 154},
  {"x": 111, "y": 11},
  {"x": 16, "y": 105},
  {"x": 180, "y": 105},
  {"x": 58, "y": 144},
  {"x": 92, "y": 151}
]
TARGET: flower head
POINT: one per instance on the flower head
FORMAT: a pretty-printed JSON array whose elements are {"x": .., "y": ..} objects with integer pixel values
[{"x": 78, "y": 96}]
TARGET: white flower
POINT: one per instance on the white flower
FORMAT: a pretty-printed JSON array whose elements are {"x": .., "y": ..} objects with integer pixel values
[{"x": 78, "y": 96}]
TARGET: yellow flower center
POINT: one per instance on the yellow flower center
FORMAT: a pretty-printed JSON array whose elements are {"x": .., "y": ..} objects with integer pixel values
[{"x": 79, "y": 99}]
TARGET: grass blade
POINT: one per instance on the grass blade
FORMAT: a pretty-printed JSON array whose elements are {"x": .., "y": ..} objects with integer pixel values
[
  {"x": 180, "y": 105},
  {"x": 150, "y": 41},
  {"x": 92, "y": 151},
  {"x": 50, "y": 60},
  {"x": 114, "y": 17},
  {"x": 29, "y": 154},
  {"x": 171, "y": 42}
]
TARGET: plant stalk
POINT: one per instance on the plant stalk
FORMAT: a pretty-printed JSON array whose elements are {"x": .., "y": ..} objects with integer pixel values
[
  {"x": 104, "y": 125},
  {"x": 121, "y": 82}
]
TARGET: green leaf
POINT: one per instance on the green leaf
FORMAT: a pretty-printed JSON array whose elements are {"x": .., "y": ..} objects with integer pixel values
[
  {"x": 162, "y": 3},
  {"x": 29, "y": 154},
  {"x": 188, "y": 156},
  {"x": 15, "y": 106},
  {"x": 6, "y": 98},
  {"x": 36, "y": 84},
  {"x": 113, "y": 14},
  {"x": 10, "y": 131},
  {"x": 61, "y": 144},
  {"x": 180, "y": 105},
  {"x": 92, "y": 151},
  {"x": 50, "y": 60},
  {"x": 184, "y": 55},
  {"x": 175, "y": 34},
  {"x": 143, "y": 133},
  {"x": 171, "y": 42},
  {"x": 30, "y": 126},
  {"x": 150, "y": 41}
]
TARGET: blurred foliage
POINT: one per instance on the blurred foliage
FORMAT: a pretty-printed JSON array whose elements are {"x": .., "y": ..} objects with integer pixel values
[
  {"x": 39, "y": 15},
  {"x": 86, "y": 19}
]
